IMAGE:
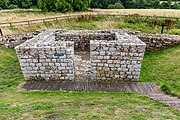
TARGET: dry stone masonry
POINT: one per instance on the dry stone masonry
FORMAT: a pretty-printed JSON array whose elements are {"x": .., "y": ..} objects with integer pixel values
[
  {"x": 43, "y": 58},
  {"x": 154, "y": 42},
  {"x": 52, "y": 56},
  {"x": 118, "y": 59}
]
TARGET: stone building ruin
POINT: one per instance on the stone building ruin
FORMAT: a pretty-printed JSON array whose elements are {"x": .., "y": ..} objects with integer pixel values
[{"x": 81, "y": 55}]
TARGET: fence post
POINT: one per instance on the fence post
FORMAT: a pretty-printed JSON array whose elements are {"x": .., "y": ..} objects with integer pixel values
[
  {"x": 28, "y": 23},
  {"x": 11, "y": 25},
  {"x": 1, "y": 32},
  {"x": 162, "y": 30}
]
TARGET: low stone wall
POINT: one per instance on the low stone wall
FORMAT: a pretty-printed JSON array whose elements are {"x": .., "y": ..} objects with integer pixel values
[
  {"x": 12, "y": 40},
  {"x": 154, "y": 42},
  {"x": 157, "y": 42}
]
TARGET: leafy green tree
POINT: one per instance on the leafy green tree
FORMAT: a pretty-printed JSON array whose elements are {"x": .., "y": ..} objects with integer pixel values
[
  {"x": 25, "y": 4},
  {"x": 119, "y": 6},
  {"x": 166, "y": 5},
  {"x": 176, "y": 6},
  {"x": 21, "y": 3},
  {"x": 47, "y": 5},
  {"x": 80, "y": 5},
  {"x": 63, "y": 6},
  {"x": 34, "y": 2},
  {"x": 3, "y": 4},
  {"x": 116, "y": 6},
  {"x": 103, "y": 4},
  {"x": 111, "y": 6},
  {"x": 156, "y": 4}
]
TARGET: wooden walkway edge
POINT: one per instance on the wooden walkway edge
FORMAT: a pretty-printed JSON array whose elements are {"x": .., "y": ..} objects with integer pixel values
[{"x": 148, "y": 89}]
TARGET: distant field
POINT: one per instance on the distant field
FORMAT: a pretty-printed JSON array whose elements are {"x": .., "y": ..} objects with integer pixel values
[
  {"x": 171, "y": 2},
  {"x": 21, "y": 15},
  {"x": 143, "y": 12},
  {"x": 32, "y": 14}
]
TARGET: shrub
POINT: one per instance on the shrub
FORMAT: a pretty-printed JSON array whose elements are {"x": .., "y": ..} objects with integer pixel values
[
  {"x": 12, "y": 6},
  {"x": 166, "y": 89},
  {"x": 116, "y": 6},
  {"x": 3, "y": 4}
]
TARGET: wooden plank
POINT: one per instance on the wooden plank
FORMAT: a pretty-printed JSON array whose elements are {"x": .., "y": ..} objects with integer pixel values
[{"x": 134, "y": 87}]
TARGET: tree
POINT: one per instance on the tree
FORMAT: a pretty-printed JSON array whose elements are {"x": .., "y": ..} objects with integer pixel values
[
  {"x": 103, "y": 4},
  {"x": 25, "y": 4},
  {"x": 34, "y": 2},
  {"x": 63, "y": 5},
  {"x": 116, "y": 6},
  {"x": 3, "y": 4},
  {"x": 156, "y": 4},
  {"x": 21, "y": 3},
  {"x": 176, "y": 6},
  {"x": 166, "y": 5},
  {"x": 47, "y": 5},
  {"x": 80, "y": 5}
]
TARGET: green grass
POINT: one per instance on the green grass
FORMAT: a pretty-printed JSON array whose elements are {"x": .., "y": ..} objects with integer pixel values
[
  {"x": 163, "y": 68},
  {"x": 159, "y": 67}
]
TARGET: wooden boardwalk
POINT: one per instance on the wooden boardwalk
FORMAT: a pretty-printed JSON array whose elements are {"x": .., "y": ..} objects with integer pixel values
[
  {"x": 149, "y": 89},
  {"x": 125, "y": 87}
]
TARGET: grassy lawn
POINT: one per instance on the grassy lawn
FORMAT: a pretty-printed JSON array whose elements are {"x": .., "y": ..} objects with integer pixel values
[
  {"x": 163, "y": 68},
  {"x": 159, "y": 67}
]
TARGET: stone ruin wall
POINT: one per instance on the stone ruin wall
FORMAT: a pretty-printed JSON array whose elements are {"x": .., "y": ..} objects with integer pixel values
[
  {"x": 154, "y": 42},
  {"x": 39, "y": 59},
  {"x": 49, "y": 56},
  {"x": 82, "y": 38},
  {"x": 117, "y": 60},
  {"x": 157, "y": 42}
]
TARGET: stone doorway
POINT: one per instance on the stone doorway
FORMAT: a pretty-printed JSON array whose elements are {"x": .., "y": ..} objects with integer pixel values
[{"x": 82, "y": 67}]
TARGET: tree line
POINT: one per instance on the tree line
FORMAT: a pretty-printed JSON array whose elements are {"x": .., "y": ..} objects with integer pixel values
[
  {"x": 82, "y": 5},
  {"x": 12, "y": 4},
  {"x": 135, "y": 4}
]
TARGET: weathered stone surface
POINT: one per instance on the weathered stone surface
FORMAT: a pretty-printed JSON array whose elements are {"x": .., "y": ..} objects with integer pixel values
[
  {"x": 39, "y": 58},
  {"x": 154, "y": 42},
  {"x": 114, "y": 56}
]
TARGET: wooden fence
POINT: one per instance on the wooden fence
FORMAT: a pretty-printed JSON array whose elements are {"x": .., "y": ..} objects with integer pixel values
[{"x": 28, "y": 22}]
